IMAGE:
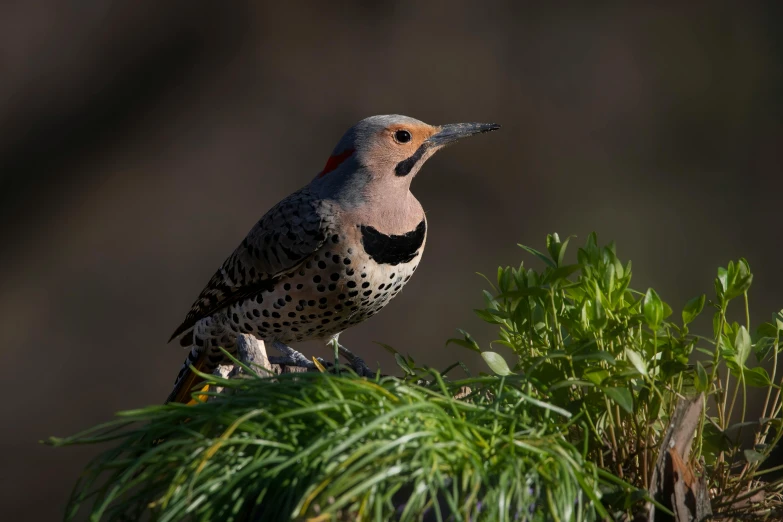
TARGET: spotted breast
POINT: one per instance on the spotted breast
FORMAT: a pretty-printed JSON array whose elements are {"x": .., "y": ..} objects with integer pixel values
[{"x": 350, "y": 278}]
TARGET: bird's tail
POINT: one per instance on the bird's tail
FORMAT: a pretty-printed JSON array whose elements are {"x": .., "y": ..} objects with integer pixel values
[{"x": 187, "y": 379}]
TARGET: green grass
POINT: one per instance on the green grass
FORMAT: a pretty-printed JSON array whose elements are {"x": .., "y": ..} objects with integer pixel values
[
  {"x": 569, "y": 429},
  {"x": 316, "y": 444}
]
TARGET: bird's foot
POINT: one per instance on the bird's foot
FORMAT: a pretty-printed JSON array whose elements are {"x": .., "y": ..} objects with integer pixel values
[
  {"x": 358, "y": 364},
  {"x": 291, "y": 357},
  {"x": 298, "y": 363}
]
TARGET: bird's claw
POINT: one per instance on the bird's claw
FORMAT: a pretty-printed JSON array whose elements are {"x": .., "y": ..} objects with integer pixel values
[
  {"x": 358, "y": 364},
  {"x": 292, "y": 357}
]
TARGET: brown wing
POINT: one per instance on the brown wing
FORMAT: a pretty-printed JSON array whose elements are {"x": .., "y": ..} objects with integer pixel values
[{"x": 283, "y": 239}]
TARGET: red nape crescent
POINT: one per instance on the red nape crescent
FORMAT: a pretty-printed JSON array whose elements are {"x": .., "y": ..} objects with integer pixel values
[{"x": 335, "y": 160}]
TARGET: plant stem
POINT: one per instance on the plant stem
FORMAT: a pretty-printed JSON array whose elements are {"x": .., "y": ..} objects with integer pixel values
[
  {"x": 724, "y": 399},
  {"x": 558, "y": 333},
  {"x": 597, "y": 435},
  {"x": 733, "y": 397},
  {"x": 716, "y": 360},
  {"x": 615, "y": 448},
  {"x": 763, "y": 436},
  {"x": 644, "y": 458},
  {"x": 623, "y": 449}
]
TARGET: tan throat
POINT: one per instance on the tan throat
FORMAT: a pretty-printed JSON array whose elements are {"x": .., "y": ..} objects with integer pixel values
[{"x": 390, "y": 215}]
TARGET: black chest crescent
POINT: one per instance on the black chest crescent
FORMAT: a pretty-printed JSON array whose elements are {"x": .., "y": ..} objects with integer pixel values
[{"x": 393, "y": 250}]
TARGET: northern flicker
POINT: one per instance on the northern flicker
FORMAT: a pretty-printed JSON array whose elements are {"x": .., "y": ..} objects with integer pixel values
[{"x": 328, "y": 256}]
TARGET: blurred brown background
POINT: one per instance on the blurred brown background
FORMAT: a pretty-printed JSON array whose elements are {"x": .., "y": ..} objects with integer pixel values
[{"x": 139, "y": 141}]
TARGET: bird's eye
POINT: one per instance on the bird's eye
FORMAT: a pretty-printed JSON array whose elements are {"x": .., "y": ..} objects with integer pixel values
[{"x": 402, "y": 136}]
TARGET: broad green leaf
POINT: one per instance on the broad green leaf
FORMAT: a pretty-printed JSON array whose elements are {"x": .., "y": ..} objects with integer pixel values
[
  {"x": 742, "y": 345},
  {"x": 532, "y": 278},
  {"x": 595, "y": 356},
  {"x": 609, "y": 279},
  {"x": 667, "y": 310},
  {"x": 722, "y": 282},
  {"x": 496, "y": 363},
  {"x": 582, "y": 258},
  {"x": 740, "y": 278},
  {"x": 652, "y": 307},
  {"x": 672, "y": 367},
  {"x": 507, "y": 344},
  {"x": 468, "y": 342},
  {"x": 729, "y": 357},
  {"x": 734, "y": 430},
  {"x": 402, "y": 363},
  {"x": 538, "y": 254},
  {"x": 562, "y": 251},
  {"x": 767, "y": 330},
  {"x": 619, "y": 270},
  {"x": 557, "y": 248},
  {"x": 591, "y": 247},
  {"x": 584, "y": 315},
  {"x": 492, "y": 316},
  {"x": 553, "y": 245},
  {"x": 731, "y": 329},
  {"x": 692, "y": 309},
  {"x": 702, "y": 381},
  {"x": 489, "y": 299},
  {"x": 763, "y": 347},
  {"x": 715, "y": 440},
  {"x": 571, "y": 382},
  {"x": 757, "y": 377},
  {"x": 716, "y": 323},
  {"x": 637, "y": 360},
  {"x": 598, "y": 316},
  {"x": 596, "y": 375},
  {"x": 654, "y": 407},
  {"x": 561, "y": 272},
  {"x": 622, "y": 396},
  {"x": 628, "y": 372},
  {"x": 753, "y": 456},
  {"x": 546, "y": 373},
  {"x": 535, "y": 291},
  {"x": 504, "y": 279}
]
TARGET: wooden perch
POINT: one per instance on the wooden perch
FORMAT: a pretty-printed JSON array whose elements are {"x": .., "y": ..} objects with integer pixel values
[
  {"x": 252, "y": 352},
  {"x": 674, "y": 483}
]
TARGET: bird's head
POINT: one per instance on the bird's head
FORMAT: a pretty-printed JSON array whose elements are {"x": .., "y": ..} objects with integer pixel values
[{"x": 390, "y": 150}]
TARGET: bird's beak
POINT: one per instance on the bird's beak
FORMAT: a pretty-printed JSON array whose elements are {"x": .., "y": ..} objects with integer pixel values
[{"x": 455, "y": 131}]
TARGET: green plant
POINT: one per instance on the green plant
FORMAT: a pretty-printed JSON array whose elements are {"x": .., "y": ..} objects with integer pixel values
[
  {"x": 586, "y": 342},
  {"x": 570, "y": 431},
  {"x": 322, "y": 446}
]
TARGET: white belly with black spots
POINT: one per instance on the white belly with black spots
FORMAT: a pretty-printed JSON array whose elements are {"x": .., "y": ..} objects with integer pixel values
[{"x": 338, "y": 287}]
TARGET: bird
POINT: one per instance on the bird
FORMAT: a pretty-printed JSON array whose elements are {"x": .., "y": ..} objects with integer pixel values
[{"x": 325, "y": 258}]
